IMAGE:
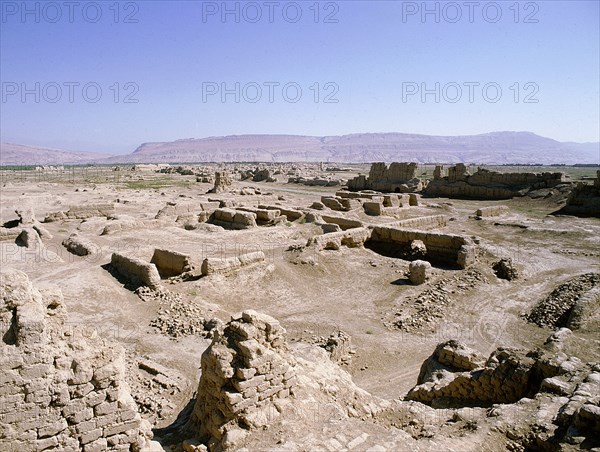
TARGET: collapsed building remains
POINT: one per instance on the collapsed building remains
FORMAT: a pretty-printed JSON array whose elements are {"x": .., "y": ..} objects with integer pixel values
[
  {"x": 485, "y": 184},
  {"x": 584, "y": 200},
  {"x": 397, "y": 178},
  {"x": 245, "y": 371}
]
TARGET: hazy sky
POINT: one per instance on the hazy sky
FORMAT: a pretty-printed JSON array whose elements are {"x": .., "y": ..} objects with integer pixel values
[{"x": 107, "y": 76}]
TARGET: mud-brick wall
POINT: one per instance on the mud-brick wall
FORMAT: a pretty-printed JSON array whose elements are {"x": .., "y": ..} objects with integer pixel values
[{"x": 58, "y": 389}]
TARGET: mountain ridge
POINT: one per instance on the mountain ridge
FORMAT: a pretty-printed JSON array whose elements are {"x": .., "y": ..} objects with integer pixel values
[{"x": 488, "y": 148}]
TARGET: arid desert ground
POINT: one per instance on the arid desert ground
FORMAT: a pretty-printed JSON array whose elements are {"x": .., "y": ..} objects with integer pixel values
[{"x": 342, "y": 344}]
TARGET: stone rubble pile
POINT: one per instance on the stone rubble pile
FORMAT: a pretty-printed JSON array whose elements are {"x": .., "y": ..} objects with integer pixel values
[
  {"x": 430, "y": 305},
  {"x": 555, "y": 309},
  {"x": 176, "y": 317}
]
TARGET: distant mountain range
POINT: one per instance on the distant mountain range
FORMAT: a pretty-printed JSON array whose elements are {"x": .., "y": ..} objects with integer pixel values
[
  {"x": 17, "y": 154},
  {"x": 487, "y": 148}
]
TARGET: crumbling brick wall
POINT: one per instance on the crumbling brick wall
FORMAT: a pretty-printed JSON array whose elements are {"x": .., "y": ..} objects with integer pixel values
[
  {"x": 171, "y": 263},
  {"x": 485, "y": 184},
  {"x": 233, "y": 219},
  {"x": 228, "y": 265},
  {"x": 136, "y": 270},
  {"x": 244, "y": 371},
  {"x": 398, "y": 177},
  {"x": 59, "y": 389}
]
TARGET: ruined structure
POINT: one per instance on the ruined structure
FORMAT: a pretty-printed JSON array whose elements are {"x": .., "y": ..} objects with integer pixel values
[
  {"x": 265, "y": 217},
  {"x": 491, "y": 211},
  {"x": 233, "y": 219},
  {"x": 262, "y": 175},
  {"x": 183, "y": 210},
  {"x": 29, "y": 238},
  {"x": 397, "y": 178},
  {"x": 429, "y": 222},
  {"x": 351, "y": 238},
  {"x": 343, "y": 222},
  {"x": 171, "y": 263},
  {"x": 26, "y": 231},
  {"x": 82, "y": 212},
  {"x": 61, "y": 390},
  {"x": 315, "y": 182},
  {"x": 511, "y": 399},
  {"x": 389, "y": 205},
  {"x": 584, "y": 200},
  {"x": 505, "y": 269},
  {"x": 119, "y": 223},
  {"x": 228, "y": 265},
  {"x": 222, "y": 182},
  {"x": 245, "y": 371},
  {"x": 9, "y": 234},
  {"x": 485, "y": 184},
  {"x": 136, "y": 270},
  {"x": 447, "y": 249},
  {"x": 340, "y": 204},
  {"x": 562, "y": 389},
  {"x": 80, "y": 246},
  {"x": 289, "y": 213}
]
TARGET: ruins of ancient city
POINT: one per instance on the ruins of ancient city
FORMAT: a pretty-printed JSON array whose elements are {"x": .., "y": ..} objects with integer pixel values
[{"x": 376, "y": 307}]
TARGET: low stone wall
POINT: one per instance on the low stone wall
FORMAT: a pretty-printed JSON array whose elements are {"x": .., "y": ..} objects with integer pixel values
[
  {"x": 491, "y": 211},
  {"x": 356, "y": 195},
  {"x": 125, "y": 223},
  {"x": 314, "y": 182},
  {"x": 224, "y": 266},
  {"x": 177, "y": 209},
  {"x": 342, "y": 222},
  {"x": 429, "y": 222},
  {"x": 136, "y": 270},
  {"x": 443, "y": 248},
  {"x": 291, "y": 214},
  {"x": 265, "y": 217},
  {"x": 61, "y": 390},
  {"x": 233, "y": 219},
  {"x": 82, "y": 212},
  {"x": 335, "y": 240},
  {"x": 244, "y": 372},
  {"x": 340, "y": 204},
  {"x": 171, "y": 263},
  {"x": 80, "y": 246},
  {"x": 332, "y": 202},
  {"x": 374, "y": 208}
]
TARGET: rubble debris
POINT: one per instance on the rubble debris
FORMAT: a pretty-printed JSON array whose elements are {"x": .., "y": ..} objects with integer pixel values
[
  {"x": 555, "y": 309},
  {"x": 506, "y": 269}
]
